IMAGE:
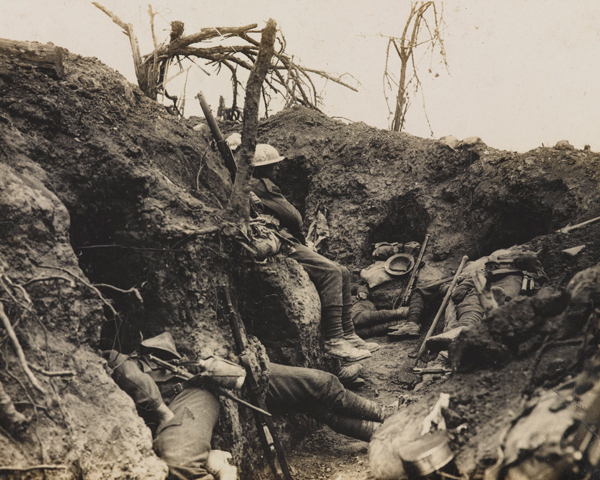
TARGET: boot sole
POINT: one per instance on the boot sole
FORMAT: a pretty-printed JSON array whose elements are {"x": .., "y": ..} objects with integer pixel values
[
  {"x": 397, "y": 336},
  {"x": 347, "y": 359}
]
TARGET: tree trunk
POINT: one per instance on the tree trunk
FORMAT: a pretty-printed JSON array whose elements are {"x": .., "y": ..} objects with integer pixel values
[
  {"x": 239, "y": 209},
  {"x": 47, "y": 58}
]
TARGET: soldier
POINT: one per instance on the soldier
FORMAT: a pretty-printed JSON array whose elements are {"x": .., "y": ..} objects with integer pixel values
[
  {"x": 368, "y": 321},
  {"x": 186, "y": 412},
  {"x": 511, "y": 274},
  {"x": 331, "y": 280}
]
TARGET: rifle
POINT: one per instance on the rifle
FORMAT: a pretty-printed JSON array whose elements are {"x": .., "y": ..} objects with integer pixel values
[
  {"x": 413, "y": 275},
  {"x": 200, "y": 377},
  {"x": 265, "y": 425},
  {"x": 442, "y": 307},
  {"x": 224, "y": 149}
]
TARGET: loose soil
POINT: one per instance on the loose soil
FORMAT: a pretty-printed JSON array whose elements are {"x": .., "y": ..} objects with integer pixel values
[{"x": 100, "y": 181}]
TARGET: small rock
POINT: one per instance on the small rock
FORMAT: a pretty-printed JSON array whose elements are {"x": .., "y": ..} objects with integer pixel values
[
  {"x": 564, "y": 145},
  {"x": 449, "y": 141},
  {"x": 470, "y": 141},
  {"x": 572, "y": 252}
]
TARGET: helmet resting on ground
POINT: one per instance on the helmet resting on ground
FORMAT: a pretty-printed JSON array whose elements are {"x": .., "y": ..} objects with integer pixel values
[{"x": 266, "y": 155}]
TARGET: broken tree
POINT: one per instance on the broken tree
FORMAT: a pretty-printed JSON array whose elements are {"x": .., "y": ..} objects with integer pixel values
[{"x": 284, "y": 77}]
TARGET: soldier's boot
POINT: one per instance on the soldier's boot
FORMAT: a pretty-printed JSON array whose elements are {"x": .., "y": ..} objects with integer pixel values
[
  {"x": 405, "y": 330},
  {"x": 357, "y": 342},
  {"x": 349, "y": 372},
  {"x": 443, "y": 340},
  {"x": 411, "y": 328},
  {"x": 355, "y": 406},
  {"x": 340, "y": 348},
  {"x": 350, "y": 335},
  {"x": 376, "y": 330},
  {"x": 335, "y": 344},
  {"x": 352, "y": 427}
]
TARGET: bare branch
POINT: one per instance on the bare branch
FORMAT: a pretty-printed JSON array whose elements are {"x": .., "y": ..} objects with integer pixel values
[{"x": 18, "y": 350}]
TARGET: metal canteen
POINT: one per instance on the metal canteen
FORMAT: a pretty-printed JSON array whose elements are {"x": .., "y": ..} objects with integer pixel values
[{"x": 426, "y": 454}]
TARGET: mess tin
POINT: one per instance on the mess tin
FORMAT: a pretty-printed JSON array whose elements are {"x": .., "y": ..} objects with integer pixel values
[{"x": 426, "y": 454}]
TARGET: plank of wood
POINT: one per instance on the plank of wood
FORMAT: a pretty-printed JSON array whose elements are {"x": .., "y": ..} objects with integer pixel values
[{"x": 48, "y": 58}]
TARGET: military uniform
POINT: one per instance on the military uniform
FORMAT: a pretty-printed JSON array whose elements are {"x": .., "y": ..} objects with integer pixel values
[
  {"x": 183, "y": 442},
  {"x": 331, "y": 279},
  {"x": 507, "y": 275}
]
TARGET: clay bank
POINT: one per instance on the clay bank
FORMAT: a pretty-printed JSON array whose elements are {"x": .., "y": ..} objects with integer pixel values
[{"x": 113, "y": 229}]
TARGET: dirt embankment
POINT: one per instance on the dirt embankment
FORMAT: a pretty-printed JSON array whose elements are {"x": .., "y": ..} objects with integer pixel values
[{"x": 101, "y": 182}]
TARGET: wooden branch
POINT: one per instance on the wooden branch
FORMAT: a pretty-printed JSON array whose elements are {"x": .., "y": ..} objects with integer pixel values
[
  {"x": 9, "y": 416},
  {"x": 17, "y": 346},
  {"x": 133, "y": 290},
  {"x": 44, "y": 279},
  {"x": 46, "y": 58},
  {"x": 223, "y": 50},
  {"x": 91, "y": 287},
  {"x": 135, "y": 47},
  {"x": 57, "y": 373},
  {"x": 329, "y": 77},
  {"x": 33, "y": 467},
  {"x": 202, "y": 35},
  {"x": 238, "y": 203}
]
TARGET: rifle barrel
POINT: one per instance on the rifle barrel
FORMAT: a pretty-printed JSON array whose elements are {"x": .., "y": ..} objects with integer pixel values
[{"x": 413, "y": 275}]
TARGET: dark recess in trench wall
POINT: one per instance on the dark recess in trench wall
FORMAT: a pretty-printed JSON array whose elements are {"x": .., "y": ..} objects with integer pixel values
[
  {"x": 406, "y": 220},
  {"x": 515, "y": 224}
]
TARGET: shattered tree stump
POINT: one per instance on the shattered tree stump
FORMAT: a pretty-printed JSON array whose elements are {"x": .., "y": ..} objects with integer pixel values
[{"x": 47, "y": 58}]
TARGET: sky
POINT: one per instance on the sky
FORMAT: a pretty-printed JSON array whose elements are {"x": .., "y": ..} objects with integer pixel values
[{"x": 522, "y": 73}]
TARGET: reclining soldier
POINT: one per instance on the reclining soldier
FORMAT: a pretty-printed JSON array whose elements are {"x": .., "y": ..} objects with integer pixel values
[
  {"x": 512, "y": 274},
  {"x": 370, "y": 322},
  {"x": 331, "y": 280},
  {"x": 186, "y": 412}
]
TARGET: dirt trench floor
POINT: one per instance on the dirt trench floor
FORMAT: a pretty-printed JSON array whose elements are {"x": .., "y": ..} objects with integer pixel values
[{"x": 487, "y": 401}]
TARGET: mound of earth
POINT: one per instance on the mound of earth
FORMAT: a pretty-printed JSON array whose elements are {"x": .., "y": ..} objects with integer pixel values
[{"x": 112, "y": 226}]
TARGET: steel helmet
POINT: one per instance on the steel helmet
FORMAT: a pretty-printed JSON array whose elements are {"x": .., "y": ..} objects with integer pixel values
[
  {"x": 399, "y": 264},
  {"x": 163, "y": 342},
  {"x": 265, "y": 155}
]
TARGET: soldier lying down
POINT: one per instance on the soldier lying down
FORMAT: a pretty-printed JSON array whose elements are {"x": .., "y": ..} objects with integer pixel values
[{"x": 186, "y": 412}]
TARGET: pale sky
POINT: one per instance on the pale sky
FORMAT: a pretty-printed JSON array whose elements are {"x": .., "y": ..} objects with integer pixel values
[{"x": 522, "y": 72}]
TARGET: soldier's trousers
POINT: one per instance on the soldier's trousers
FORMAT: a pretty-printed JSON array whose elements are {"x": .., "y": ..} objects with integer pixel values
[
  {"x": 318, "y": 394},
  {"x": 183, "y": 443},
  {"x": 332, "y": 282}
]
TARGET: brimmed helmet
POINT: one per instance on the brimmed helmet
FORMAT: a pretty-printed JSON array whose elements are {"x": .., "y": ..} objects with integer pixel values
[
  {"x": 163, "y": 342},
  {"x": 399, "y": 264},
  {"x": 265, "y": 155}
]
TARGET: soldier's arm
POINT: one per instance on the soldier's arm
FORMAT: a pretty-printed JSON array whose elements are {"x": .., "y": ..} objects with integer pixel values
[{"x": 276, "y": 204}]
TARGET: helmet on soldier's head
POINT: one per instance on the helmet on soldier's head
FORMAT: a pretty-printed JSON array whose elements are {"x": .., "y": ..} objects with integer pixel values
[
  {"x": 265, "y": 155},
  {"x": 163, "y": 342}
]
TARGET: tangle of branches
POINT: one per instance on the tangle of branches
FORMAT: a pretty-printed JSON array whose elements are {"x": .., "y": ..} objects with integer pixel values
[{"x": 292, "y": 81}]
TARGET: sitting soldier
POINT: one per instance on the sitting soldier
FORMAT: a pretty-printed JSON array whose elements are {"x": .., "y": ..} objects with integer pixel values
[
  {"x": 186, "y": 411},
  {"x": 370, "y": 322},
  {"x": 511, "y": 274},
  {"x": 331, "y": 280}
]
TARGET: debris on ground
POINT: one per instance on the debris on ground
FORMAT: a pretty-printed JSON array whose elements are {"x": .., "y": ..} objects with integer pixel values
[{"x": 104, "y": 193}]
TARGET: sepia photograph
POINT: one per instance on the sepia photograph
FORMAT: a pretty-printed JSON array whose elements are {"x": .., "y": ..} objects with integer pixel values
[{"x": 299, "y": 240}]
